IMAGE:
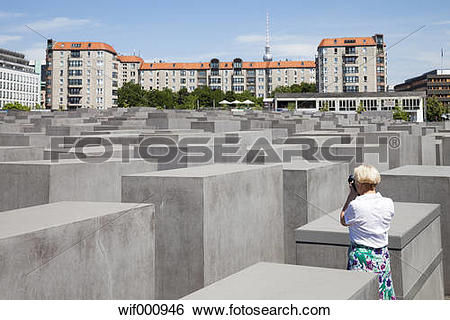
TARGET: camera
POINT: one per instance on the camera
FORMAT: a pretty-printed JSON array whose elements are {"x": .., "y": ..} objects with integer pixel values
[{"x": 351, "y": 181}]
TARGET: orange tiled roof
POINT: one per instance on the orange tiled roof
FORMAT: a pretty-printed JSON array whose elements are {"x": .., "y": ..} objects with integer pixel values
[
  {"x": 341, "y": 42},
  {"x": 83, "y": 46},
  {"x": 126, "y": 59},
  {"x": 227, "y": 65}
]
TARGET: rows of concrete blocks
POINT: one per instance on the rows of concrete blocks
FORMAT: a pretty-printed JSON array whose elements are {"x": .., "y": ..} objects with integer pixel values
[
  {"x": 264, "y": 146},
  {"x": 336, "y": 134},
  {"x": 194, "y": 231}
]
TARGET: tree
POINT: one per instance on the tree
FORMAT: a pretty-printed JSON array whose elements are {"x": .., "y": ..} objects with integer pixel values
[
  {"x": 165, "y": 98},
  {"x": 295, "y": 88},
  {"x": 16, "y": 106},
  {"x": 361, "y": 108},
  {"x": 181, "y": 96},
  {"x": 400, "y": 114},
  {"x": 131, "y": 94},
  {"x": 189, "y": 103},
  {"x": 324, "y": 107},
  {"x": 435, "y": 109}
]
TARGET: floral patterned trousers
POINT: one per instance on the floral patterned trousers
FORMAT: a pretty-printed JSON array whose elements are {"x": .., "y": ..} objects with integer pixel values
[{"x": 362, "y": 258}]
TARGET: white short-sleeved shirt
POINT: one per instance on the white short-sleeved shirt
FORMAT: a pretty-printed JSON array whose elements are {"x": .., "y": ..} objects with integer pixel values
[{"x": 369, "y": 217}]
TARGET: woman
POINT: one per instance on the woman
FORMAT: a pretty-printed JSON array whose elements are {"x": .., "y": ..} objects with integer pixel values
[{"x": 368, "y": 216}]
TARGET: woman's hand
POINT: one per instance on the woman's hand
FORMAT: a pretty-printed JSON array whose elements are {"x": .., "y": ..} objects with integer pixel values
[{"x": 352, "y": 194}]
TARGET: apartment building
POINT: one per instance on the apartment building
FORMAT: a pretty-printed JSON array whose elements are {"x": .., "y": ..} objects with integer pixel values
[
  {"x": 18, "y": 81},
  {"x": 88, "y": 74},
  {"x": 81, "y": 74},
  {"x": 129, "y": 69},
  {"x": 436, "y": 83},
  {"x": 260, "y": 78},
  {"x": 351, "y": 64}
]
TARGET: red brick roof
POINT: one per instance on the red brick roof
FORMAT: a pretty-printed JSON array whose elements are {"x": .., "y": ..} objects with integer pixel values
[
  {"x": 344, "y": 42},
  {"x": 83, "y": 46},
  {"x": 130, "y": 59},
  {"x": 227, "y": 65}
]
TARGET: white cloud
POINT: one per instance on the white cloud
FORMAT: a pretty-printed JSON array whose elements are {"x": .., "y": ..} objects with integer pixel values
[
  {"x": 6, "y": 38},
  {"x": 59, "y": 23},
  {"x": 250, "y": 38},
  {"x": 283, "y": 45},
  {"x": 441, "y": 23},
  {"x": 5, "y": 14},
  {"x": 35, "y": 52},
  {"x": 294, "y": 49}
]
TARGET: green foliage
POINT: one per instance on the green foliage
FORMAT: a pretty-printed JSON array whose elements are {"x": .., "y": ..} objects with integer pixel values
[
  {"x": 15, "y": 106},
  {"x": 295, "y": 88},
  {"x": 324, "y": 107},
  {"x": 435, "y": 109},
  {"x": 131, "y": 94},
  {"x": 400, "y": 114},
  {"x": 360, "y": 109},
  {"x": 291, "y": 106}
]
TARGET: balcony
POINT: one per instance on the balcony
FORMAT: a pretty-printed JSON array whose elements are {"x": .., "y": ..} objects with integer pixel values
[
  {"x": 75, "y": 94},
  {"x": 251, "y": 80}
]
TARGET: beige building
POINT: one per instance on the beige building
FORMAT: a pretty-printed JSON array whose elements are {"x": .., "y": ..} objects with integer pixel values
[
  {"x": 129, "y": 69},
  {"x": 81, "y": 74},
  {"x": 88, "y": 74},
  {"x": 259, "y": 78},
  {"x": 351, "y": 64}
]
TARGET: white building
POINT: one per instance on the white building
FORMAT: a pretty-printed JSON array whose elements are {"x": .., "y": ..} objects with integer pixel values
[
  {"x": 413, "y": 102},
  {"x": 18, "y": 81}
]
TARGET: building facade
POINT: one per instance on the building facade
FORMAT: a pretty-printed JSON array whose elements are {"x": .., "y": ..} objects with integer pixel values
[
  {"x": 129, "y": 67},
  {"x": 81, "y": 74},
  {"x": 18, "y": 81},
  {"x": 41, "y": 69},
  {"x": 260, "y": 78},
  {"x": 88, "y": 74},
  {"x": 413, "y": 102},
  {"x": 351, "y": 65},
  {"x": 436, "y": 83}
]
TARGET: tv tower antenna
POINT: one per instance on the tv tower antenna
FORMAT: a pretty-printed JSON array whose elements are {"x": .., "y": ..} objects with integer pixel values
[{"x": 267, "y": 51}]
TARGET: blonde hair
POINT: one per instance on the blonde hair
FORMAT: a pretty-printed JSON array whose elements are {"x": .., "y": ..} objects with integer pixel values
[{"x": 367, "y": 174}]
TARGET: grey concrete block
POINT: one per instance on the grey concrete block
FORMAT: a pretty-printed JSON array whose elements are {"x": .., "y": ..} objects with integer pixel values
[
  {"x": 30, "y": 183},
  {"x": 270, "y": 281},
  {"x": 20, "y": 153},
  {"x": 425, "y": 184},
  {"x": 446, "y": 151},
  {"x": 414, "y": 245},
  {"x": 216, "y": 219},
  {"x": 310, "y": 190},
  {"x": 78, "y": 250}
]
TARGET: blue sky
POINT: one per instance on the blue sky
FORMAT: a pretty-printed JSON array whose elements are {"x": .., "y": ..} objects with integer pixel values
[{"x": 199, "y": 30}]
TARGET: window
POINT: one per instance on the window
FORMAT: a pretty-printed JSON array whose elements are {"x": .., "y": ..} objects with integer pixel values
[
  {"x": 351, "y": 79},
  {"x": 335, "y": 51},
  {"x": 75, "y": 54},
  {"x": 350, "y": 69}
]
